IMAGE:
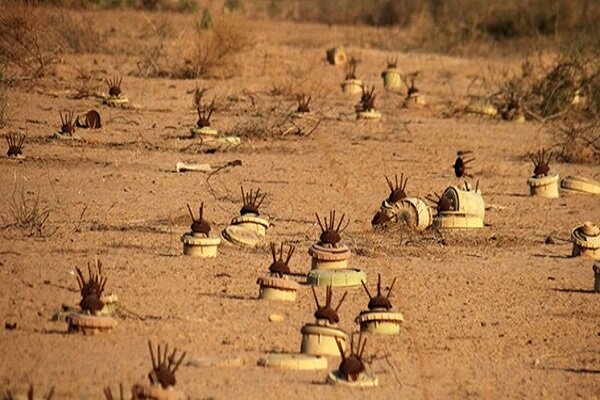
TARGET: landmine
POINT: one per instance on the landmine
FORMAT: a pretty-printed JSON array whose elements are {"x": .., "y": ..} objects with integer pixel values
[
  {"x": 198, "y": 242},
  {"x": 277, "y": 286},
  {"x": 90, "y": 320},
  {"x": 329, "y": 258},
  {"x": 67, "y": 128},
  {"x": 322, "y": 337},
  {"x": 115, "y": 97},
  {"x": 366, "y": 108},
  {"x": 586, "y": 240},
  {"x": 459, "y": 208},
  {"x": 543, "y": 182},
  {"x": 398, "y": 208},
  {"x": 482, "y": 108},
  {"x": 392, "y": 76},
  {"x": 379, "y": 319},
  {"x": 414, "y": 98},
  {"x": 297, "y": 362},
  {"x": 351, "y": 84},
  {"x": 352, "y": 371},
  {"x": 580, "y": 184},
  {"x": 249, "y": 228},
  {"x": 202, "y": 127},
  {"x": 15, "y": 146},
  {"x": 162, "y": 377},
  {"x": 336, "y": 56}
]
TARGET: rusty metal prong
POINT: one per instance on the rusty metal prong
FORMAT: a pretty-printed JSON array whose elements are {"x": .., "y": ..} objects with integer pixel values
[
  {"x": 477, "y": 186},
  {"x": 319, "y": 221},
  {"x": 154, "y": 365},
  {"x": 468, "y": 161},
  {"x": 178, "y": 363},
  {"x": 201, "y": 214},
  {"x": 345, "y": 226},
  {"x": 366, "y": 289},
  {"x": 166, "y": 355},
  {"x": 261, "y": 200},
  {"x": 256, "y": 196},
  {"x": 315, "y": 296},
  {"x": 364, "y": 343},
  {"x": 243, "y": 195},
  {"x": 341, "y": 350},
  {"x": 340, "y": 223},
  {"x": 191, "y": 213},
  {"x": 390, "y": 185},
  {"x": 273, "y": 251},
  {"x": 341, "y": 301},
  {"x": 290, "y": 253},
  {"x": 391, "y": 287}
]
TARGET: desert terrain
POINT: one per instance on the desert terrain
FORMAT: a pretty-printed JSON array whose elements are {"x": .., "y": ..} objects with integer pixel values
[{"x": 488, "y": 313}]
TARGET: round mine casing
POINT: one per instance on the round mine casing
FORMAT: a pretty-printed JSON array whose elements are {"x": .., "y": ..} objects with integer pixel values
[
  {"x": 392, "y": 80},
  {"x": 586, "y": 241},
  {"x": 352, "y": 86},
  {"x": 198, "y": 245},
  {"x": 319, "y": 339},
  {"x": 544, "y": 186},
  {"x": 274, "y": 288},
  {"x": 347, "y": 277},
  {"x": 324, "y": 257},
  {"x": 380, "y": 322}
]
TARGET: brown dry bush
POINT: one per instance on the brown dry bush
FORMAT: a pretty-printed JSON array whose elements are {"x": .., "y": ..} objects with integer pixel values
[
  {"x": 577, "y": 141},
  {"x": 551, "y": 91},
  {"x": 266, "y": 119},
  {"x": 26, "y": 46},
  {"x": 155, "y": 61},
  {"x": 217, "y": 52}
]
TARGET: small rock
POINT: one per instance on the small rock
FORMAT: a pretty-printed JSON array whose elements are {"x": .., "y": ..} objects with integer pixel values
[
  {"x": 549, "y": 240},
  {"x": 276, "y": 318}
]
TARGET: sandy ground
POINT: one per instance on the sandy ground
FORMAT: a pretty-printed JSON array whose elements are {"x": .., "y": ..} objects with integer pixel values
[{"x": 489, "y": 313}]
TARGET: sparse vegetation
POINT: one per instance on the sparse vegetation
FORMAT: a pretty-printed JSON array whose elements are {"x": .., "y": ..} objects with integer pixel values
[
  {"x": 3, "y": 106},
  {"x": 24, "y": 43},
  {"x": 217, "y": 51},
  {"x": 27, "y": 214},
  {"x": 577, "y": 141}
]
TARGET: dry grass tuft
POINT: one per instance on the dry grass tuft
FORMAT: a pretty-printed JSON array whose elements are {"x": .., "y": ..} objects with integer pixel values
[{"x": 27, "y": 214}]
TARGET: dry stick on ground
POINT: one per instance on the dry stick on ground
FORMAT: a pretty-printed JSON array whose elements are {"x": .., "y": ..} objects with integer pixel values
[{"x": 233, "y": 163}]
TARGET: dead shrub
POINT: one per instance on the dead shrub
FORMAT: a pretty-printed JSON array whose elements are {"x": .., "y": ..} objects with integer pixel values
[
  {"x": 25, "y": 42},
  {"x": 577, "y": 141},
  {"x": 155, "y": 62},
  {"x": 217, "y": 51},
  {"x": 274, "y": 120},
  {"x": 570, "y": 84}
]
